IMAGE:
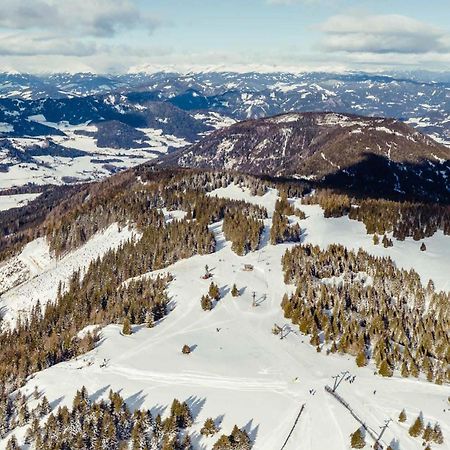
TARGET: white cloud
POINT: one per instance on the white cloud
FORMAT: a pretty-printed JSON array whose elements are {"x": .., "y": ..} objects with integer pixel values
[
  {"x": 382, "y": 34},
  {"x": 75, "y": 17},
  {"x": 32, "y": 44}
]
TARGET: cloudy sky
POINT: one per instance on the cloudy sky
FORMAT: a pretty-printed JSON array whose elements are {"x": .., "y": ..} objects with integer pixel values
[{"x": 116, "y": 35}]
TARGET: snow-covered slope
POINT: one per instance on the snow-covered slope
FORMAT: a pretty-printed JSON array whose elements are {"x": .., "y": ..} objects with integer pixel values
[
  {"x": 34, "y": 274},
  {"x": 238, "y": 370},
  {"x": 16, "y": 200}
]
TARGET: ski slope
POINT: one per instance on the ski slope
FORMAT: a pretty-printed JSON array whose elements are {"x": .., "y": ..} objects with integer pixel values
[{"x": 238, "y": 371}]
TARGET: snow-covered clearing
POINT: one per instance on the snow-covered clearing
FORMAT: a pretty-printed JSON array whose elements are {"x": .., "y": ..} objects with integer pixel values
[
  {"x": 15, "y": 201},
  {"x": 34, "y": 274},
  {"x": 238, "y": 370},
  {"x": 432, "y": 264}
]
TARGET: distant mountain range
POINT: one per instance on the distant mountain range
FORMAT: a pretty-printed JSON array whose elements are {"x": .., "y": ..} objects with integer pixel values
[
  {"x": 78, "y": 127},
  {"x": 375, "y": 156},
  {"x": 425, "y": 104}
]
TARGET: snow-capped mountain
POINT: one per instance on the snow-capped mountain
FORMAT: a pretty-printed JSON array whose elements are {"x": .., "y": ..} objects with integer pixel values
[
  {"x": 362, "y": 153},
  {"x": 250, "y": 95}
]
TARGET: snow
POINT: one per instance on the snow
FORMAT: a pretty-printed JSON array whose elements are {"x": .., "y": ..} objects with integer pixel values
[
  {"x": 286, "y": 118},
  {"x": 58, "y": 170},
  {"x": 172, "y": 215},
  {"x": 237, "y": 367},
  {"x": 215, "y": 120},
  {"x": 6, "y": 127},
  {"x": 432, "y": 264},
  {"x": 34, "y": 274},
  {"x": 14, "y": 201},
  {"x": 333, "y": 119}
]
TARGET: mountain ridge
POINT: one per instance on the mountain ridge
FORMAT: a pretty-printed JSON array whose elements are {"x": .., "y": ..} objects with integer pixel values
[{"x": 326, "y": 147}]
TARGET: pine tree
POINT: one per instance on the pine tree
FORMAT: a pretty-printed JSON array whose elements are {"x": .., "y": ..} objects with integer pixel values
[
  {"x": 235, "y": 291},
  {"x": 361, "y": 359},
  {"x": 12, "y": 444},
  {"x": 404, "y": 370},
  {"x": 44, "y": 407},
  {"x": 206, "y": 303},
  {"x": 428, "y": 433},
  {"x": 186, "y": 443},
  {"x": 423, "y": 247},
  {"x": 223, "y": 443},
  {"x": 402, "y": 416},
  {"x": 438, "y": 437},
  {"x": 126, "y": 329},
  {"x": 357, "y": 439},
  {"x": 385, "y": 370},
  {"x": 240, "y": 439},
  {"x": 36, "y": 393},
  {"x": 213, "y": 291},
  {"x": 186, "y": 349},
  {"x": 376, "y": 239},
  {"x": 209, "y": 428},
  {"x": 417, "y": 427}
]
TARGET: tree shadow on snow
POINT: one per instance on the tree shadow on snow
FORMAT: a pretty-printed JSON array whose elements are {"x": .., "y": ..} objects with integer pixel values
[
  {"x": 98, "y": 393},
  {"x": 251, "y": 430},
  {"x": 195, "y": 441},
  {"x": 265, "y": 237},
  {"x": 158, "y": 410},
  {"x": 395, "y": 444},
  {"x": 136, "y": 401},
  {"x": 218, "y": 421},
  {"x": 56, "y": 402},
  {"x": 195, "y": 404},
  {"x": 224, "y": 290},
  {"x": 303, "y": 235}
]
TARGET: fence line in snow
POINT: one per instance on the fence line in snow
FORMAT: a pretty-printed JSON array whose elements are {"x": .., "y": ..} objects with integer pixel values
[
  {"x": 344, "y": 403},
  {"x": 293, "y": 426}
]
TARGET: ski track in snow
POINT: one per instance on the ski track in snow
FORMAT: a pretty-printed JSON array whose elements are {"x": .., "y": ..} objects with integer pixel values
[{"x": 237, "y": 367}]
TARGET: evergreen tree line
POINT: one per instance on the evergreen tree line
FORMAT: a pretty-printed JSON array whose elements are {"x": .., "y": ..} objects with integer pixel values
[
  {"x": 110, "y": 425},
  {"x": 352, "y": 302},
  {"x": 403, "y": 219},
  {"x": 14, "y": 410},
  {"x": 19, "y": 226},
  {"x": 136, "y": 203},
  {"x": 69, "y": 216},
  {"x": 281, "y": 230},
  {"x": 244, "y": 232},
  {"x": 417, "y": 429}
]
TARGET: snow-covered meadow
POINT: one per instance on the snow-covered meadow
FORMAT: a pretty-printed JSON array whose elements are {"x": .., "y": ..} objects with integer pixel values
[{"x": 15, "y": 200}]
